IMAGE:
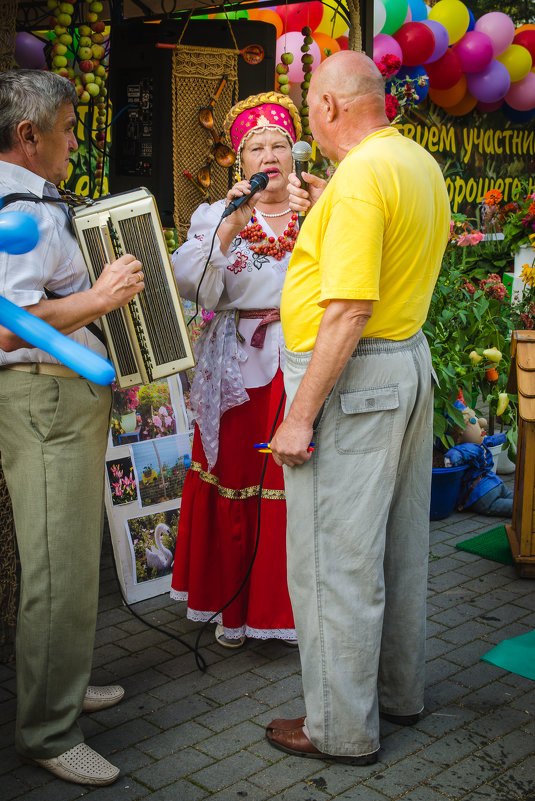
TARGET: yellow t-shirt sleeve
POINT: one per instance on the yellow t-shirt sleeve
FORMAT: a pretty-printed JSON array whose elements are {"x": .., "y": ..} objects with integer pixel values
[{"x": 350, "y": 266}]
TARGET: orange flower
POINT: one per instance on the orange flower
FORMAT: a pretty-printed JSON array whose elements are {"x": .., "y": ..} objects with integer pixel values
[{"x": 493, "y": 197}]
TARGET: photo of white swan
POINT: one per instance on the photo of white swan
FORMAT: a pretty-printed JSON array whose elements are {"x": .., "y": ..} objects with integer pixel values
[{"x": 152, "y": 544}]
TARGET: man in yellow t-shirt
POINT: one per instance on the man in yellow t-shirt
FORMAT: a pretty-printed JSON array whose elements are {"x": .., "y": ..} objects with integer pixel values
[{"x": 358, "y": 379}]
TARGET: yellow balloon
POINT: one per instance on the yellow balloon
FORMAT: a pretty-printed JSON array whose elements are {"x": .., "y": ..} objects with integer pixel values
[
  {"x": 517, "y": 61},
  {"x": 332, "y": 24},
  {"x": 454, "y": 16}
]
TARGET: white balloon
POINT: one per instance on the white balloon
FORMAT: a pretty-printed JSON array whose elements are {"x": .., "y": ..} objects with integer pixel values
[{"x": 379, "y": 16}]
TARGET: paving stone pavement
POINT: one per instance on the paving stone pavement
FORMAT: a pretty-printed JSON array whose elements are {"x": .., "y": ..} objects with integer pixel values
[{"x": 183, "y": 735}]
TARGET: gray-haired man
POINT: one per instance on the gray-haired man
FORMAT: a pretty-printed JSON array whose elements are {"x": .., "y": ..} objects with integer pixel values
[{"x": 53, "y": 434}]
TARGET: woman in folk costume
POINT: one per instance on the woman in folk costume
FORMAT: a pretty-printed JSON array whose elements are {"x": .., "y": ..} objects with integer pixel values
[{"x": 238, "y": 387}]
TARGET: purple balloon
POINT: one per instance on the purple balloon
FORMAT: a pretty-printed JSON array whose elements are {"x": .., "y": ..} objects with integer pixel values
[
  {"x": 29, "y": 51},
  {"x": 475, "y": 51},
  {"x": 442, "y": 39},
  {"x": 490, "y": 84}
]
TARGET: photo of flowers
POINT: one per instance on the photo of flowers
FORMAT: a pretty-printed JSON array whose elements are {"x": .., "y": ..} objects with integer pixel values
[
  {"x": 160, "y": 467},
  {"x": 142, "y": 413},
  {"x": 152, "y": 542},
  {"x": 121, "y": 480}
]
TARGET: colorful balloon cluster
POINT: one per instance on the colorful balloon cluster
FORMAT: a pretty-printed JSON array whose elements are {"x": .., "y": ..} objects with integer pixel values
[
  {"x": 484, "y": 64},
  {"x": 328, "y": 30}
]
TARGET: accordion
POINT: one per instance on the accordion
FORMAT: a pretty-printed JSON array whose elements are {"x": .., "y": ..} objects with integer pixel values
[{"x": 147, "y": 339}]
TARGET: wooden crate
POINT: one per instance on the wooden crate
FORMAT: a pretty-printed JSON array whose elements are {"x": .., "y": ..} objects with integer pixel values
[{"x": 521, "y": 531}]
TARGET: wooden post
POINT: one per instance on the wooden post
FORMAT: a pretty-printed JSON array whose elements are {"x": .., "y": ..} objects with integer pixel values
[{"x": 521, "y": 531}]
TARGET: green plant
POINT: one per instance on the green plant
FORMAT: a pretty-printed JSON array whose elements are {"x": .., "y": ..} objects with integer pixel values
[
  {"x": 465, "y": 321},
  {"x": 516, "y": 220}
]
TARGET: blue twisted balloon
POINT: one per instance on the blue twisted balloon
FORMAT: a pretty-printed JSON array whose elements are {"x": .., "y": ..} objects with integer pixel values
[{"x": 19, "y": 233}]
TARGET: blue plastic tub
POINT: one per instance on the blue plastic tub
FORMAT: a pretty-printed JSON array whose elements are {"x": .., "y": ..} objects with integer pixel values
[{"x": 444, "y": 490}]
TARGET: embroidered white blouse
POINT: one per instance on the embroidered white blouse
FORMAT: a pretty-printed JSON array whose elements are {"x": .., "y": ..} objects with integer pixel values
[{"x": 239, "y": 279}]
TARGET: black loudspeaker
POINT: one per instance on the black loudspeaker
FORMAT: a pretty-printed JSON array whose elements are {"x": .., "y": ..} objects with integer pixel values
[{"x": 140, "y": 92}]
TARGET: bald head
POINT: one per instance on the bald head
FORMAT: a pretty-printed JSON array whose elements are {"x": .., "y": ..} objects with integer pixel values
[
  {"x": 348, "y": 75},
  {"x": 347, "y": 92}
]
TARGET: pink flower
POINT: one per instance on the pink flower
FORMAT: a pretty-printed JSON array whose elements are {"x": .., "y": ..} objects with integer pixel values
[
  {"x": 157, "y": 420},
  {"x": 476, "y": 237}
]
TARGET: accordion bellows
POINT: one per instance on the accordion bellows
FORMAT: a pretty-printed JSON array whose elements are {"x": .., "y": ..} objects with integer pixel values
[{"x": 147, "y": 339}]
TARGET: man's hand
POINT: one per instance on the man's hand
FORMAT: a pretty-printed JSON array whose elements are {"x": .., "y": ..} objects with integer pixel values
[
  {"x": 290, "y": 444},
  {"x": 119, "y": 282},
  {"x": 301, "y": 200}
]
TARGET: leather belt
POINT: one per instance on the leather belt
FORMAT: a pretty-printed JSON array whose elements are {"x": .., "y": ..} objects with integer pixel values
[{"x": 43, "y": 368}]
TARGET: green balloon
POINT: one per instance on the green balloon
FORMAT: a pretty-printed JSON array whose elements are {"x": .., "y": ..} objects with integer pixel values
[{"x": 396, "y": 13}]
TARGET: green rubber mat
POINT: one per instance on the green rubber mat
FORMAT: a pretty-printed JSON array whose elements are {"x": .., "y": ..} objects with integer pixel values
[
  {"x": 492, "y": 544},
  {"x": 516, "y": 655}
]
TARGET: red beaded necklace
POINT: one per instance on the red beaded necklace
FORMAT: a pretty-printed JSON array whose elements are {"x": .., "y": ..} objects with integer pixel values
[{"x": 275, "y": 247}]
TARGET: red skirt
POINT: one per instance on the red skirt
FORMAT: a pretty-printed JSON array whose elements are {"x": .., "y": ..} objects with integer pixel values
[{"x": 217, "y": 530}]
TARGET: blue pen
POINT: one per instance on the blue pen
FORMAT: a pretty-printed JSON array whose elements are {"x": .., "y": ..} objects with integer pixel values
[{"x": 263, "y": 447}]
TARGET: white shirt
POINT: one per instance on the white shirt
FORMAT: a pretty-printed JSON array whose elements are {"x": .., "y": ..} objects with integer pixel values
[
  {"x": 240, "y": 280},
  {"x": 56, "y": 262}
]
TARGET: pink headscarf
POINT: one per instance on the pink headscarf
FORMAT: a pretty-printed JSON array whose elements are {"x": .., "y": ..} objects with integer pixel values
[{"x": 265, "y": 115}]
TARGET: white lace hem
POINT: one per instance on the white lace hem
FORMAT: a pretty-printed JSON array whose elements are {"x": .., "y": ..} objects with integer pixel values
[{"x": 241, "y": 631}]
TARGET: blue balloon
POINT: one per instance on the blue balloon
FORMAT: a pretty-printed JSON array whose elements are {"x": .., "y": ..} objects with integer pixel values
[
  {"x": 472, "y": 21},
  {"x": 418, "y": 10},
  {"x": 41, "y": 335},
  {"x": 515, "y": 116},
  {"x": 414, "y": 73},
  {"x": 19, "y": 232}
]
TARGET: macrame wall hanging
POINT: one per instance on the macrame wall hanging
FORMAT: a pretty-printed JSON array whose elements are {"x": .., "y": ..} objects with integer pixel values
[{"x": 204, "y": 79}]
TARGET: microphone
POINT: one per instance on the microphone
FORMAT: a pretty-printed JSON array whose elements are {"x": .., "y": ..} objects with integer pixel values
[
  {"x": 301, "y": 153},
  {"x": 258, "y": 182}
]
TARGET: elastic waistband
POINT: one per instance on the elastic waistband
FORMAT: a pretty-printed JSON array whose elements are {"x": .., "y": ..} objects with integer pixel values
[
  {"x": 43, "y": 368},
  {"x": 369, "y": 346}
]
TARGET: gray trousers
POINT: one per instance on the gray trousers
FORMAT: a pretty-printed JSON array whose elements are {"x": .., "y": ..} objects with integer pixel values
[
  {"x": 53, "y": 434},
  {"x": 358, "y": 532}
]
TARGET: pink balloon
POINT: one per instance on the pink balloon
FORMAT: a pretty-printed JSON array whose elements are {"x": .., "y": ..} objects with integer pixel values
[
  {"x": 291, "y": 43},
  {"x": 475, "y": 51},
  {"x": 29, "y": 51},
  {"x": 442, "y": 39},
  {"x": 521, "y": 95},
  {"x": 499, "y": 28},
  {"x": 384, "y": 45}
]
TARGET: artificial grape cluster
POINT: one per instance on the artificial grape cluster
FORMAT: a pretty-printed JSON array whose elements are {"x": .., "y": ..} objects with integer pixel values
[
  {"x": 170, "y": 239},
  {"x": 307, "y": 61},
  {"x": 282, "y": 73},
  {"x": 88, "y": 70},
  {"x": 275, "y": 247}
]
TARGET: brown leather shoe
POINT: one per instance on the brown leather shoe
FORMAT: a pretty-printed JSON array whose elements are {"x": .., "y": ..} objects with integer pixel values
[
  {"x": 287, "y": 723},
  {"x": 295, "y": 742}
]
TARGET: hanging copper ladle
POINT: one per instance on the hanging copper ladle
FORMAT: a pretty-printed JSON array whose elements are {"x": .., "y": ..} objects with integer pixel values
[{"x": 223, "y": 154}]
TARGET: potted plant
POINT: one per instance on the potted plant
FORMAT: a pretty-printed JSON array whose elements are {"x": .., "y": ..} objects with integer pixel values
[
  {"x": 467, "y": 327},
  {"x": 125, "y": 402}
]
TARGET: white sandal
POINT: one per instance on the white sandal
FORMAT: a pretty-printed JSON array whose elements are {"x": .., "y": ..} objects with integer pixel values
[
  {"x": 80, "y": 765},
  {"x": 225, "y": 641}
]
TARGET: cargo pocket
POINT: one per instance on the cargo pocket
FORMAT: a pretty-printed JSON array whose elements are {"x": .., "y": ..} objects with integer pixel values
[{"x": 365, "y": 419}]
